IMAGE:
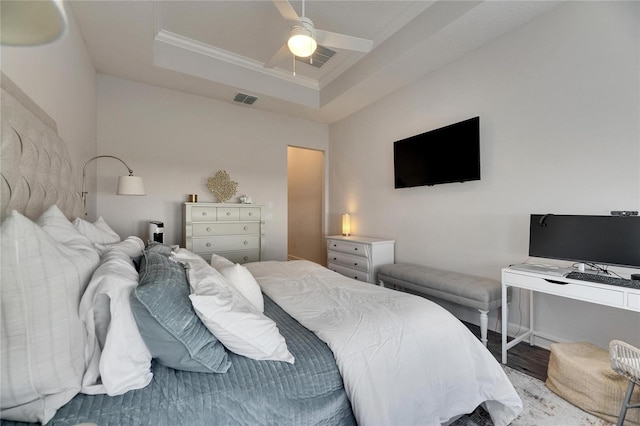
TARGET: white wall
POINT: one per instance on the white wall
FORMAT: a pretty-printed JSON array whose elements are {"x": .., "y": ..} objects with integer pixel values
[
  {"x": 61, "y": 79},
  {"x": 559, "y": 104},
  {"x": 175, "y": 141}
]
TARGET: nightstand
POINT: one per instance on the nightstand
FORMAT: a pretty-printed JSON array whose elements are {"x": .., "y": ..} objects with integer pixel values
[{"x": 359, "y": 257}]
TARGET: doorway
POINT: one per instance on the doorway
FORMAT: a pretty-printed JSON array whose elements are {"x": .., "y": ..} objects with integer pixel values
[{"x": 305, "y": 197}]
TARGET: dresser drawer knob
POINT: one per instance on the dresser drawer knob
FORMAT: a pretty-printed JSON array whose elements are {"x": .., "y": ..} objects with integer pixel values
[
  {"x": 204, "y": 213},
  {"x": 335, "y": 258},
  {"x": 246, "y": 243},
  {"x": 246, "y": 228},
  {"x": 228, "y": 213},
  {"x": 208, "y": 244},
  {"x": 250, "y": 213},
  {"x": 245, "y": 258},
  {"x": 355, "y": 264},
  {"x": 208, "y": 229},
  {"x": 356, "y": 249}
]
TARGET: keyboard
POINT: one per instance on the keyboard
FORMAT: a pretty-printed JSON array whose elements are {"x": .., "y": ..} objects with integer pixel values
[{"x": 604, "y": 279}]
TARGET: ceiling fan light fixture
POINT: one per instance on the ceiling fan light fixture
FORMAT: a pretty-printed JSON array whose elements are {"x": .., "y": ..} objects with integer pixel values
[
  {"x": 301, "y": 42},
  {"x": 31, "y": 23}
]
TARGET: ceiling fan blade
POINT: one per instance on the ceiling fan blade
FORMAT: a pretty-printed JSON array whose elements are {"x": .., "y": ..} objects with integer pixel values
[
  {"x": 286, "y": 10},
  {"x": 341, "y": 41},
  {"x": 279, "y": 56}
]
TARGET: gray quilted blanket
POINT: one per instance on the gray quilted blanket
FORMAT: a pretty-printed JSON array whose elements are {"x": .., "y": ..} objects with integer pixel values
[{"x": 309, "y": 392}]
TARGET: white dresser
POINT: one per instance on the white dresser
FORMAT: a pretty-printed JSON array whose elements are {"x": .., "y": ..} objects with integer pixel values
[
  {"x": 230, "y": 230},
  {"x": 359, "y": 257}
]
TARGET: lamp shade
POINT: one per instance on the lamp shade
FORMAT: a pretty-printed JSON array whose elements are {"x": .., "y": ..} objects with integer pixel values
[
  {"x": 346, "y": 224},
  {"x": 301, "y": 42},
  {"x": 130, "y": 185},
  {"x": 27, "y": 23}
]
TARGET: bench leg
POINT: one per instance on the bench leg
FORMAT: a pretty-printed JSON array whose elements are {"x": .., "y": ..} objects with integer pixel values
[{"x": 484, "y": 325}]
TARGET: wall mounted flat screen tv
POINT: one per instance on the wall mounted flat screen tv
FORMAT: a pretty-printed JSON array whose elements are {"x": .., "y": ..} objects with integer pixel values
[
  {"x": 609, "y": 240},
  {"x": 445, "y": 155}
]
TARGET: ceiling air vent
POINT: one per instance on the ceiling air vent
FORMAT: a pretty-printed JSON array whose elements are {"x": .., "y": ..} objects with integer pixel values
[
  {"x": 319, "y": 57},
  {"x": 243, "y": 98}
]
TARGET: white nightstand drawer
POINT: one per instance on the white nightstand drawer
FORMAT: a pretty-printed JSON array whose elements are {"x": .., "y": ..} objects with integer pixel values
[
  {"x": 358, "y": 257},
  {"x": 357, "y": 249},
  {"x": 354, "y": 262},
  {"x": 210, "y": 229},
  {"x": 241, "y": 256},
  {"x": 351, "y": 273},
  {"x": 228, "y": 213},
  {"x": 226, "y": 243},
  {"x": 203, "y": 214},
  {"x": 250, "y": 213}
]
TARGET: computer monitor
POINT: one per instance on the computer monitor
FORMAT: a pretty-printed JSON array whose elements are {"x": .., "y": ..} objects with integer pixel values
[{"x": 608, "y": 240}]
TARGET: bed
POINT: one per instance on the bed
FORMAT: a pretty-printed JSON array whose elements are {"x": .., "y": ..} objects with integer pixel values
[{"x": 99, "y": 329}]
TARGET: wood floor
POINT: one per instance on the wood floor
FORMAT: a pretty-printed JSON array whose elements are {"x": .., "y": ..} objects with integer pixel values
[{"x": 530, "y": 360}]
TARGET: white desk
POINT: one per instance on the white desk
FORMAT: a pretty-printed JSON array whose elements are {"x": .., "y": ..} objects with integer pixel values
[{"x": 601, "y": 294}]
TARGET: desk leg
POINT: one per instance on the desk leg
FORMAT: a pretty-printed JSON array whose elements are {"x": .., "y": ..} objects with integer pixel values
[
  {"x": 505, "y": 319},
  {"x": 532, "y": 336}
]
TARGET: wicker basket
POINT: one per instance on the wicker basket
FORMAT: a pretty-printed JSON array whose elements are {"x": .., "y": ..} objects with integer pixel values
[{"x": 581, "y": 373}]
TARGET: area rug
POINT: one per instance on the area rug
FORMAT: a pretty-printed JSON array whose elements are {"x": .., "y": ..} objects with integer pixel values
[{"x": 541, "y": 407}]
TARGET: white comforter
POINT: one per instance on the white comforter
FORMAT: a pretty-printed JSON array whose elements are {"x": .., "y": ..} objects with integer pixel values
[{"x": 404, "y": 360}]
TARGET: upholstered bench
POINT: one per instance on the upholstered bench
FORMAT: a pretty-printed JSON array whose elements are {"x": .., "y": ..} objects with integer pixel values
[
  {"x": 474, "y": 292},
  {"x": 581, "y": 373}
]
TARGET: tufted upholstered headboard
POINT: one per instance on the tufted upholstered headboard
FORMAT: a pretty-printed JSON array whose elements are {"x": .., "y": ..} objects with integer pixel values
[{"x": 35, "y": 167}]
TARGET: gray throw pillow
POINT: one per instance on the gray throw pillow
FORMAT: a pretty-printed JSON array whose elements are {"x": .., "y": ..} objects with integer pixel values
[
  {"x": 168, "y": 324},
  {"x": 157, "y": 247}
]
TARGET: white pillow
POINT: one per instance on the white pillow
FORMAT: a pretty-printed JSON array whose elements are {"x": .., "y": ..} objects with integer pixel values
[
  {"x": 210, "y": 277},
  {"x": 232, "y": 318},
  {"x": 44, "y": 271},
  {"x": 132, "y": 246},
  {"x": 118, "y": 359},
  {"x": 98, "y": 232},
  {"x": 183, "y": 255},
  {"x": 56, "y": 224},
  {"x": 243, "y": 281},
  {"x": 219, "y": 262}
]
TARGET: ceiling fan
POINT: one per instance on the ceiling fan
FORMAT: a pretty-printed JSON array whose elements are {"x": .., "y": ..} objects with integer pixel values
[{"x": 304, "y": 38}]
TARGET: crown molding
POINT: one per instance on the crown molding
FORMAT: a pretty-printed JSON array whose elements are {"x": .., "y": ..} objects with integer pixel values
[{"x": 204, "y": 49}]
